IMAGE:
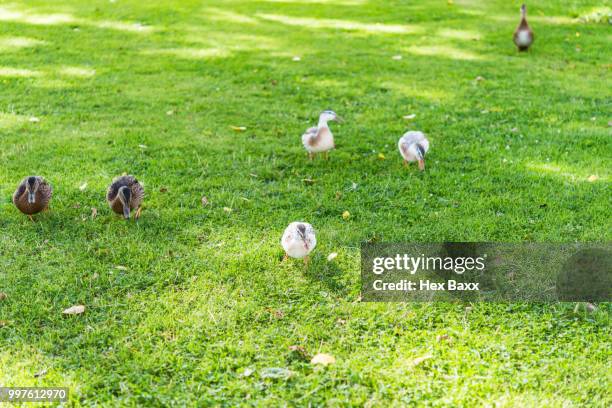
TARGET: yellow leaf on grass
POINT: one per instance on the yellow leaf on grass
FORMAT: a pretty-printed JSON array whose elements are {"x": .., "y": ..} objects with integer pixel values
[
  {"x": 238, "y": 128},
  {"x": 323, "y": 359},
  {"x": 346, "y": 215},
  {"x": 419, "y": 360},
  {"x": 74, "y": 310}
]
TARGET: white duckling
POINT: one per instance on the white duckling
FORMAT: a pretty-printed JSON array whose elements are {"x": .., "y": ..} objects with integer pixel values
[
  {"x": 413, "y": 146},
  {"x": 298, "y": 241},
  {"x": 319, "y": 139}
]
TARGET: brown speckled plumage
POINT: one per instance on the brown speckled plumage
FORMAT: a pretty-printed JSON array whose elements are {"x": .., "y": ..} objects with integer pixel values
[
  {"x": 42, "y": 195},
  {"x": 523, "y": 35},
  {"x": 112, "y": 196}
]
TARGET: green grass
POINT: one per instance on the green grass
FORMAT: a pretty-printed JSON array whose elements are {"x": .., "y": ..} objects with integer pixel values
[{"x": 203, "y": 295}]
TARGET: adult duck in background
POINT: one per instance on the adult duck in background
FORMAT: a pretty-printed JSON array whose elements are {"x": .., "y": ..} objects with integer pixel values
[
  {"x": 319, "y": 139},
  {"x": 413, "y": 146},
  {"x": 32, "y": 195},
  {"x": 523, "y": 36},
  {"x": 124, "y": 195}
]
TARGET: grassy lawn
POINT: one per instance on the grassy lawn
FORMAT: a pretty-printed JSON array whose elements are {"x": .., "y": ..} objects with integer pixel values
[{"x": 192, "y": 304}]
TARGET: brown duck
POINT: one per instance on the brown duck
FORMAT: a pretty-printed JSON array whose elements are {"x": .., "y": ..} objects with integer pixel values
[
  {"x": 523, "y": 36},
  {"x": 33, "y": 195},
  {"x": 125, "y": 195}
]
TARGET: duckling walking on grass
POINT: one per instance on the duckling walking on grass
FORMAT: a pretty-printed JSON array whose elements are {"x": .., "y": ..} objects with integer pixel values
[
  {"x": 320, "y": 139},
  {"x": 523, "y": 36},
  {"x": 32, "y": 195},
  {"x": 125, "y": 195},
  {"x": 298, "y": 241},
  {"x": 413, "y": 146}
]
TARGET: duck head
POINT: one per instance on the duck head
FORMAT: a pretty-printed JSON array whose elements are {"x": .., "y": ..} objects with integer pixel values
[
  {"x": 124, "y": 195},
  {"x": 32, "y": 185},
  {"x": 328, "y": 115}
]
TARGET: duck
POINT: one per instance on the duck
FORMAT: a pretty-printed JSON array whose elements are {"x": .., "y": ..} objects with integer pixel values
[
  {"x": 124, "y": 195},
  {"x": 523, "y": 36},
  {"x": 413, "y": 146},
  {"x": 298, "y": 241},
  {"x": 319, "y": 139},
  {"x": 33, "y": 195}
]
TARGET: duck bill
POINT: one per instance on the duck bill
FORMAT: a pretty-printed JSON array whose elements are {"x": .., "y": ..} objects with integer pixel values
[
  {"x": 31, "y": 198},
  {"x": 421, "y": 164},
  {"x": 126, "y": 211}
]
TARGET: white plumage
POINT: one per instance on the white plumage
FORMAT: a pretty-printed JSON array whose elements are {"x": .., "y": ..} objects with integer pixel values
[
  {"x": 320, "y": 139},
  {"x": 412, "y": 146},
  {"x": 317, "y": 140},
  {"x": 299, "y": 239}
]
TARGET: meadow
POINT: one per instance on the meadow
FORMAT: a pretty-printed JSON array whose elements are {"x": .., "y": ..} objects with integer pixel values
[{"x": 191, "y": 304}]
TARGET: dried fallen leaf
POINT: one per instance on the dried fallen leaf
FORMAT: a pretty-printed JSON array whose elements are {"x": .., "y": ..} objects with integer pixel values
[
  {"x": 34, "y": 119},
  {"x": 338, "y": 195},
  {"x": 83, "y": 186},
  {"x": 277, "y": 314},
  {"x": 341, "y": 321},
  {"x": 323, "y": 359},
  {"x": 94, "y": 212},
  {"x": 3, "y": 296},
  {"x": 593, "y": 178},
  {"x": 163, "y": 190},
  {"x": 170, "y": 113},
  {"x": 441, "y": 337},
  {"x": 381, "y": 156},
  {"x": 41, "y": 373},
  {"x": 419, "y": 360},
  {"x": 238, "y": 128},
  {"x": 121, "y": 267},
  {"x": 74, "y": 310},
  {"x": 346, "y": 215},
  {"x": 308, "y": 181},
  {"x": 410, "y": 117},
  {"x": 299, "y": 353},
  {"x": 143, "y": 146},
  {"x": 332, "y": 256},
  {"x": 204, "y": 201},
  {"x": 227, "y": 209},
  {"x": 3, "y": 323}
]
